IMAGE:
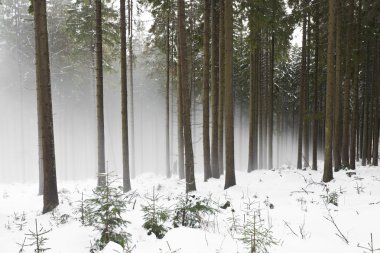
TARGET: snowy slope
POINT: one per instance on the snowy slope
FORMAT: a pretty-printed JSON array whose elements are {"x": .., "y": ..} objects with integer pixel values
[{"x": 292, "y": 202}]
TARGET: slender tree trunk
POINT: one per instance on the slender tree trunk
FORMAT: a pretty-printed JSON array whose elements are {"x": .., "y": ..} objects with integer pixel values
[
  {"x": 189, "y": 156},
  {"x": 130, "y": 49},
  {"x": 221, "y": 88},
  {"x": 44, "y": 107},
  {"x": 337, "y": 97},
  {"x": 167, "y": 137},
  {"x": 328, "y": 172},
  {"x": 315, "y": 104},
  {"x": 270, "y": 104},
  {"x": 206, "y": 92},
  {"x": 366, "y": 109},
  {"x": 252, "y": 148},
  {"x": 181, "y": 152},
  {"x": 306, "y": 95},
  {"x": 230, "y": 162},
  {"x": 376, "y": 103},
  {"x": 347, "y": 85},
  {"x": 302, "y": 95},
  {"x": 124, "y": 98},
  {"x": 99, "y": 94},
  {"x": 214, "y": 88}
]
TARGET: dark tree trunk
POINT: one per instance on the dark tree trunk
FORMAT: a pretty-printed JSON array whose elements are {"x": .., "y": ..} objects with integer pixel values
[
  {"x": 229, "y": 95},
  {"x": 189, "y": 156},
  {"x": 206, "y": 92},
  {"x": 44, "y": 107},
  {"x": 221, "y": 88},
  {"x": 124, "y": 98},
  {"x": 328, "y": 172},
  {"x": 214, "y": 87}
]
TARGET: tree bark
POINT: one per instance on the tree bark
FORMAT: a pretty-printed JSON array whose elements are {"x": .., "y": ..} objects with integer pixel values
[
  {"x": 99, "y": 94},
  {"x": 221, "y": 88},
  {"x": 328, "y": 172},
  {"x": 44, "y": 107},
  {"x": 189, "y": 156},
  {"x": 206, "y": 92},
  {"x": 230, "y": 162},
  {"x": 167, "y": 137}
]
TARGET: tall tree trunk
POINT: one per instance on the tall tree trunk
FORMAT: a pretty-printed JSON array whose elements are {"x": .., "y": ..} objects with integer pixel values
[
  {"x": 306, "y": 95},
  {"x": 167, "y": 137},
  {"x": 130, "y": 49},
  {"x": 270, "y": 104},
  {"x": 206, "y": 92},
  {"x": 252, "y": 148},
  {"x": 44, "y": 107},
  {"x": 315, "y": 102},
  {"x": 221, "y": 88},
  {"x": 124, "y": 98},
  {"x": 302, "y": 95},
  {"x": 99, "y": 94},
  {"x": 214, "y": 87},
  {"x": 181, "y": 152},
  {"x": 337, "y": 100},
  {"x": 327, "y": 171},
  {"x": 189, "y": 156},
  {"x": 366, "y": 103},
  {"x": 376, "y": 103},
  {"x": 229, "y": 95},
  {"x": 347, "y": 85}
]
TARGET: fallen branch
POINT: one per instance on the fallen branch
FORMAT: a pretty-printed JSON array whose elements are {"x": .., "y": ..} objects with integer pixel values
[
  {"x": 290, "y": 228},
  {"x": 339, "y": 234}
]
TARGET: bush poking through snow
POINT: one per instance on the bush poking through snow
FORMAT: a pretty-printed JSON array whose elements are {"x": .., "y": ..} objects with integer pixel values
[
  {"x": 155, "y": 216},
  {"x": 331, "y": 197},
  {"x": 103, "y": 212},
  {"x": 191, "y": 211}
]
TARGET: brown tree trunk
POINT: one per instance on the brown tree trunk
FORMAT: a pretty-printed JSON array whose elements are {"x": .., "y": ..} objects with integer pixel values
[
  {"x": 206, "y": 92},
  {"x": 214, "y": 87},
  {"x": 221, "y": 88},
  {"x": 44, "y": 107},
  {"x": 229, "y": 95},
  {"x": 327, "y": 171},
  {"x": 181, "y": 152},
  {"x": 99, "y": 94},
  {"x": 315, "y": 102},
  {"x": 337, "y": 100},
  {"x": 376, "y": 70},
  {"x": 189, "y": 156},
  {"x": 124, "y": 98}
]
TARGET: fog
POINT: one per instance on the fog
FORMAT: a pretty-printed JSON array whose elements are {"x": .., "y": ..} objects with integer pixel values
[{"x": 74, "y": 113}]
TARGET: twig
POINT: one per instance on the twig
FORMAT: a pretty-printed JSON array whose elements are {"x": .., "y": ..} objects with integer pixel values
[
  {"x": 331, "y": 219},
  {"x": 287, "y": 224}
]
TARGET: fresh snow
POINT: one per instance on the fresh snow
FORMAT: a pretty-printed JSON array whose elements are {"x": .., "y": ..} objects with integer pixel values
[{"x": 285, "y": 196}]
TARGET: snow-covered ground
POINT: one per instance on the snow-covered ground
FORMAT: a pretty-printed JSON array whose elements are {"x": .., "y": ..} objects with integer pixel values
[{"x": 292, "y": 203}]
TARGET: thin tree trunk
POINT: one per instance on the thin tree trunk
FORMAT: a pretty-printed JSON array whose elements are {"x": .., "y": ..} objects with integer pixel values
[
  {"x": 376, "y": 103},
  {"x": 99, "y": 94},
  {"x": 302, "y": 95},
  {"x": 206, "y": 92},
  {"x": 316, "y": 75},
  {"x": 230, "y": 162},
  {"x": 337, "y": 96},
  {"x": 124, "y": 98},
  {"x": 167, "y": 137},
  {"x": 181, "y": 153},
  {"x": 221, "y": 88},
  {"x": 214, "y": 88},
  {"x": 328, "y": 172}
]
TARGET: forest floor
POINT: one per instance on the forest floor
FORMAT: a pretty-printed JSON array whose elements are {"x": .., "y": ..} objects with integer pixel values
[{"x": 293, "y": 207}]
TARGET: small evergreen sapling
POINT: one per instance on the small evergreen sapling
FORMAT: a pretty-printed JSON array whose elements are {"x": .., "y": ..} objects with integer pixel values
[
  {"x": 103, "y": 212},
  {"x": 155, "y": 216},
  {"x": 36, "y": 239},
  {"x": 191, "y": 211}
]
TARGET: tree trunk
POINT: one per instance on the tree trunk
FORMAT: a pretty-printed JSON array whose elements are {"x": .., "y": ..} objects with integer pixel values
[
  {"x": 221, "y": 88},
  {"x": 44, "y": 107},
  {"x": 99, "y": 94},
  {"x": 302, "y": 95},
  {"x": 376, "y": 103},
  {"x": 130, "y": 49},
  {"x": 181, "y": 153},
  {"x": 206, "y": 92},
  {"x": 124, "y": 98},
  {"x": 315, "y": 104},
  {"x": 214, "y": 87},
  {"x": 229, "y": 95},
  {"x": 337, "y": 101},
  {"x": 189, "y": 156},
  {"x": 167, "y": 137},
  {"x": 328, "y": 172}
]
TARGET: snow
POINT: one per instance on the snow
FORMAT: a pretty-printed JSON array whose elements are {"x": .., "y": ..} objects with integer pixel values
[{"x": 289, "y": 200}]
